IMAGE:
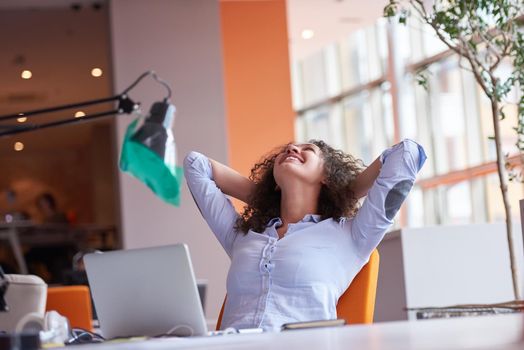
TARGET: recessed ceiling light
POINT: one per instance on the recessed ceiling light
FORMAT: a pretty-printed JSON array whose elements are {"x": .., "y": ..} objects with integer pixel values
[
  {"x": 96, "y": 72},
  {"x": 18, "y": 146},
  {"x": 21, "y": 118},
  {"x": 79, "y": 114},
  {"x": 307, "y": 34},
  {"x": 26, "y": 74}
]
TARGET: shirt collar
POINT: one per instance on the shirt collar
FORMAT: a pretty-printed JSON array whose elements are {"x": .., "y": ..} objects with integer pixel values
[
  {"x": 308, "y": 218},
  {"x": 311, "y": 217},
  {"x": 273, "y": 222}
]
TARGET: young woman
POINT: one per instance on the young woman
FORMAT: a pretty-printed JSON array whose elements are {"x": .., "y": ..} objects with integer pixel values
[{"x": 301, "y": 238}]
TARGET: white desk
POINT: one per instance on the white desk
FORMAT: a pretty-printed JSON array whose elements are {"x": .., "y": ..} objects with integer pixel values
[
  {"x": 426, "y": 266},
  {"x": 486, "y": 332}
]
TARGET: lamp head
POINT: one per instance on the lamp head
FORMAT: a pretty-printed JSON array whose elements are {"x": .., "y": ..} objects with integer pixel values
[
  {"x": 156, "y": 129},
  {"x": 149, "y": 152}
]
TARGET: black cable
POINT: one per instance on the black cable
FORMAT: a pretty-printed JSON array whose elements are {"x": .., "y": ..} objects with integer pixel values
[
  {"x": 153, "y": 74},
  {"x": 4, "y": 284},
  {"x": 83, "y": 336}
]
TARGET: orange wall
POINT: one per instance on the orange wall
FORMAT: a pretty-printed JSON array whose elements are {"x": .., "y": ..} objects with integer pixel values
[{"x": 257, "y": 79}]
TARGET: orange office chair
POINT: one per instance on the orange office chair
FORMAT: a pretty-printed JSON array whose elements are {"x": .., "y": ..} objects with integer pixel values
[
  {"x": 357, "y": 304},
  {"x": 73, "y": 302}
]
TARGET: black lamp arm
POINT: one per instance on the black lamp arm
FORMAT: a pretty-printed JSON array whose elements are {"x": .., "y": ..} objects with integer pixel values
[
  {"x": 59, "y": 108},
  {"x": 16, "y": 129},
  {"x": 125, "y": 105}
]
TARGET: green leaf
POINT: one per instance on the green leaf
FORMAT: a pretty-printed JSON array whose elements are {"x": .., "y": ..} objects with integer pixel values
[
  {"x": 403, "y": 16},
  {"x": 422, "y": 78},
  {"x": 391, "y": 9}
]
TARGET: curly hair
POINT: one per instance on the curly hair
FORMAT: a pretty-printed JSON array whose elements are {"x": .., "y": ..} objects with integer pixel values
[{"x": 336, "y": 199}]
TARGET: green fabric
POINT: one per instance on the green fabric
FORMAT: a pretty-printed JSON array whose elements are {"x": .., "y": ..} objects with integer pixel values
[{"x": 163, "y": 178}]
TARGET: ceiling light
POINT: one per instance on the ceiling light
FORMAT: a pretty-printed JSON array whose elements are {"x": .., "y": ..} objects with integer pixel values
[
  {"x": 26, "y": 74},
  {"x": 21, "y": 118},
  {"x": 96, "y": 72},
  {"x": 18, "y": 146},
  {"x": 79, "y": 114},
  {"x": 307, "y": 34}
]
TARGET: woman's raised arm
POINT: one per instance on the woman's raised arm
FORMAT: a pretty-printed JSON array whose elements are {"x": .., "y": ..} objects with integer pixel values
[
  {"x": 366, "y": 178},
  {"x": 400, "y": 165},
  {"x": 231, "y": 182},
  {"x": 209, "y": 182}
]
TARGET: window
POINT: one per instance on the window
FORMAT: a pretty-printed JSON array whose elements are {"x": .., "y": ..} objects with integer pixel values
[{"x": 346, "y": 98}]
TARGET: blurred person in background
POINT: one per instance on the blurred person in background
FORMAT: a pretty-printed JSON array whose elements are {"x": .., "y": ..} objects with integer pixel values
[{"x": 51, "y": 261}]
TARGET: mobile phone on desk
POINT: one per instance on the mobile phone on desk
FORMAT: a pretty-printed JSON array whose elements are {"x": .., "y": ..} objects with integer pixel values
[{"x": 313, "y": 324}]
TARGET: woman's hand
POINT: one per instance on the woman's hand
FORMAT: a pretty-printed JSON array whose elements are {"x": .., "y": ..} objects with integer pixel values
[
  {"x": 365, "y": 179},
  {"x": 231, "y": 182}
]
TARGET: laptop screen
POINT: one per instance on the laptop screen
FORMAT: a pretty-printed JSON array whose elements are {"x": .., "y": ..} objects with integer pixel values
[{"x": 145, "y": 292}]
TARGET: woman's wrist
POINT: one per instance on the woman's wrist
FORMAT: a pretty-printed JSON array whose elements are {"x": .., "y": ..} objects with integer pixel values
[{"x": 366, "y": 178}]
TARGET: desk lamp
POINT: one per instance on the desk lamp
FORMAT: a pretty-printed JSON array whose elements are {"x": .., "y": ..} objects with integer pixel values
[{"x": 148, "y": 150}]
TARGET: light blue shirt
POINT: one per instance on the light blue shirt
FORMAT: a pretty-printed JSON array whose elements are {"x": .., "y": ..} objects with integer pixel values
[{"x": 301, "y": 276}]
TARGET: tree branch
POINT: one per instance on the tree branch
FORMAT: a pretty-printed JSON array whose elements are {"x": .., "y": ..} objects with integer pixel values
[{"x": 464, "y": 67}]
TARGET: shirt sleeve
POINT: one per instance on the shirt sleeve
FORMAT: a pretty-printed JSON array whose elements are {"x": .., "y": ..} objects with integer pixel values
[
  {"x": 215, "y": 206},
  {"x": 400, "y": 165}
]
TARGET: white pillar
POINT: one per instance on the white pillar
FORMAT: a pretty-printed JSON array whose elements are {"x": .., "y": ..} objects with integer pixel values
[{"x": 181, "y": 41}]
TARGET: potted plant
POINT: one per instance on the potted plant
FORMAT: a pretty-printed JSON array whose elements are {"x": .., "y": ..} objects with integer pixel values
[{"x": 483, "y": 34}]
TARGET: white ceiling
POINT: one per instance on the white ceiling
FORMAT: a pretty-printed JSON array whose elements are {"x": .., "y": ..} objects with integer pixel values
[
  {"x": 329, "y": 19},
  {"x": 61, "y": 44}
]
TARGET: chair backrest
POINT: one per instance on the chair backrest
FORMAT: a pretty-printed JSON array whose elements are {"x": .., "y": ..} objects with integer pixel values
[
  {"x": 357, "y": 304},
  {"x": 73, "y": 302}
]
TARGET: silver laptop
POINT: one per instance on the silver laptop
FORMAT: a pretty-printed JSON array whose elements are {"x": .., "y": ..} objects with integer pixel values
[{"x": 145, "y": 292}]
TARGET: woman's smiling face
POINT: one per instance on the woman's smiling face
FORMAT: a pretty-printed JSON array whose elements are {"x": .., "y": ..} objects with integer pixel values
[{"x": 299, "y": 161}]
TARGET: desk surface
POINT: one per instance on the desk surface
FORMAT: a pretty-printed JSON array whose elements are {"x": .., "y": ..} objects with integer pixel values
[{"x": 485, "y": 332}]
